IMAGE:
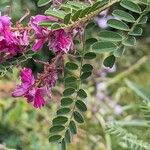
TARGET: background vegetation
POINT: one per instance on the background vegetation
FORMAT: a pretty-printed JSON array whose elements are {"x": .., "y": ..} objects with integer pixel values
[{"x": 24, "y": 128}]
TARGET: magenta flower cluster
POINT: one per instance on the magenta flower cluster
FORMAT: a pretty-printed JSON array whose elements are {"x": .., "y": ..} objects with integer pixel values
[
  {"x": 58, "y": 41},
  {"x": 16, "y": 39},
  {"x": 33, "y": 89},
  {"x": 12, "y": 42}
]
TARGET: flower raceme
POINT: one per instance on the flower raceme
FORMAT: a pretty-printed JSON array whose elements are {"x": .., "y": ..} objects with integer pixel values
[
  {"x": 12, "y": 42},
  {"x": 58, "y": 40},
  {"x": 15, "y": 40},
  {"x": 35, "y": 90}
]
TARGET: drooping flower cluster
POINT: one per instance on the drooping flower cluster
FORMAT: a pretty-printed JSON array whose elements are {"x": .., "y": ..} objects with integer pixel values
[
  {"x": 12, "y": 42},
  {"x": 59, "y": 40},
  {"x": 33, "y": 89}
]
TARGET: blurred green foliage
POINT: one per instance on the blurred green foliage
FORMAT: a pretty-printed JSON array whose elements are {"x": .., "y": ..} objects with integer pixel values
[{"x": 24, "y": 128}]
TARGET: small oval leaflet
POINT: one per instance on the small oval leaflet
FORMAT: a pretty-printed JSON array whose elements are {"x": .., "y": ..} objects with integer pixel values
[
  {"x": 87, "y": 68},
  {"x": 110, "y": 36},
  {"x": 71, "y": 66},
  {"x": 56, "y": 128},
  {"x": 82, "y": 93},
  {"x": 90, "y": 55},
  {"x": 63, "y": 111},
  {"x": 103, "y": 46},
  {"x": 81, "y": 105},
  {"x": 72, "y": 127},
  {"x": 68, "y": 91},
  {"x": 78, "y": 117},
  {"x": 109, "y": 61},
  {"x": 131, "y": 6},
  {"x": 54, "y": 138},
  {"x": 129, "y": 41},
  {"x": 66, "y": 101},
  {"x": 125, "y": 16},
  {"x": 117, "y": 24},
  {"x": 85, "y": 75},
  {"x": 60, "y": 120}
]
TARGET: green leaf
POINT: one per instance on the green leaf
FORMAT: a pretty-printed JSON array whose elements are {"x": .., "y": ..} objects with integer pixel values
[
  {"x": 72, "y": 127},
  {"x": 147, "y": 10},
  {"x": 67, "y": 19},
  {"x": 71, "y": 82},
  {"x": 77, "y": 4},
  {"x": 81, "y": 105},
  {"x": 84, "y": 12},
  {"x": 43, "y": 2},
  {"x": 59, "y": 120},
  {"x": 76, "y": 15},
  {"x": 119, "y": 52},
  {"x": 131, "y": 6},
  {"x": 46, "y": 24},
  {"x": 137, "y": 31},
  {"x": 63, "y": 145},
  {"x": 117, "y": 24},
  {"x": 55, "y": 26},
  {"x": 87, "y": 68},
  {"x": 103, "y": 2},
  {"x": 70, "y": 79},
  {"x": 68, "y": 7},
  {"x": 91, "y": 41},
  {"x": 71, "y": 66},
  {"x": 143, "y": 93},
  {"x": 104, "y": 46},
  {"x": 68, "y": 91},
  {"x": 143, "y": 2},
  {"x": 143, "y": 20},
  {"x": 95, "y": 6},
  {"x": 129, "y": 41},
  {"x": 55, "y": 13},
  {"x": 78, "y": 117},
  {"x": 90, "y": 55},
  {"x": 125, "y": 16},
  {"x": 66, "y": 101},
  {"x": 109, "y": 61},
  {"x": 63, "y": 111},
  {"x": 67, "y": 136},
  {"x": 82, "y": 94},
  {"x": 54, "y": 138},
  {"x": 110, "y": 36},
  {"x": 85, "y": 75},
  {"x": 56, "y": 128}
]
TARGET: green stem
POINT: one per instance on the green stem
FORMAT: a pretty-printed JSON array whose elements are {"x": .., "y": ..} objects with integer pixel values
[
  {"x": 76, "y": 97},
  {"x": 91, "y": 15}
]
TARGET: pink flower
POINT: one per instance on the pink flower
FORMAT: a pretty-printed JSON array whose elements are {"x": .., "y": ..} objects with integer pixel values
[
  {"x": 28, "y": 89},
  {"x": 60, "y": 41},
  {"x": 12, "y": 42},
  {"x": 27, "y": 82},
  {"x": 34, "y": 90},
  {"x": 41, "y": 33},
  {"x": 38, "y": 99},
  {"x": 36, "y": 96},
  {"x": 5, "y": 23}
]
